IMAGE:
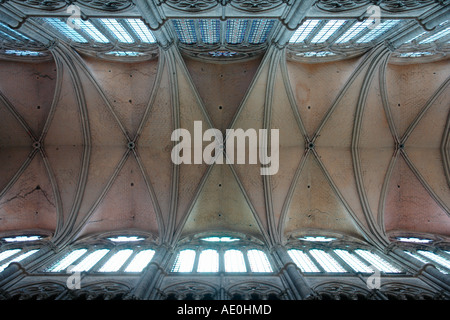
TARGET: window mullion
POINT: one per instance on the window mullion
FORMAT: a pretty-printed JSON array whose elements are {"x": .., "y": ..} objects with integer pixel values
[
  {"x": 15, "y": 36},
  {"x": 315, "y": 31},
  {"x": 221, "y": 252},
  {"x": 341, "y": 261},
  {"x": 248, "y": 29},
  {"x": 130, "y": 31},
  {"x": 198, "y": 33},
  {"x": 311, "y": 257},
  {"x": 197, "y": 257},
  {"x": 223, "y": 33},
  {"x": 247, "y": 262},
  {"x": 342, "y": 30},
  {"x": 12, "y": 257},
  {"x": 77, "y": 261},
  {"x": 128, "y": 261},
  {"x": 104, "y": 31},
  {"x": 359, "y": 35},
  {"x": 103, "y": 260},
  {"x": 84, "y": 34},
  {"x": 444, "y": 254},
  {"x": 367, "y": 262}
]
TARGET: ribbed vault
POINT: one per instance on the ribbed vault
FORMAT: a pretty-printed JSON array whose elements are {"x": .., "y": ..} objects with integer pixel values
[{"x": 85, "y": 146}]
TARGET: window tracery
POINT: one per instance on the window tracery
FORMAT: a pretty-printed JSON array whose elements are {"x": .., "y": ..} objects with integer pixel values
[
  {"x": 314, "y": 255},
  {"x": 221, "y": 254},
  {"x": 16, "y": 248},
  {"x": 124, "y": 254}
]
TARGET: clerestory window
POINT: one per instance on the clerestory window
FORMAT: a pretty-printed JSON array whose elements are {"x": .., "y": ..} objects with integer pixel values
[
  {"x": 326, "y": 258},
  {"x": 221, "y": 254},
  {"x": 236, "y": 31},
  {"x": 17, "y": 248},
  {"x": 126, "y": 254},
  {"x": 440, "y": 259}
]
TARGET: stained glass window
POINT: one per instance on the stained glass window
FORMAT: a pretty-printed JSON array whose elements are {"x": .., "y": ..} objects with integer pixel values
[
  {"x": 303, "y": 31},
  {"x": 11, "y": 34},
  {"x": 354, "y": 31},
  {"x": 141, "y": 30},
  {"x": 234, "y": 261},
  {"x": 117, "y": 30},
  {"x": 208, "y": 261},
  {"x": 68, "y": 260},
  {"x": 327, "y": 31},
  {"x": 18, "y": 258},
  {"x": 378, "y": 31},
  {"x": 236, "y": 29},
  {"x": 315, "y": 54},
  {"x": 63, "y": 28},
  {"x": 140, "y": 261},
  {"x": 326, "y": 261},
  {"x": 185, "y": 30},
  {"x": 209, "y": 30},
  {"x": 436, "y": 36},
  {"x": 258, "y": 261},
  {"x": 354, "y": 262},
  {"x": 259, "y": 30},
  {"x": 116, "y": 261},
  {"x": 424, "y": 259},
  {"x": 436, "y": 258},
  {"x": 220, "y": 239},
  {"x": 22, "y": 238},
  {"x": 414, "y": 54},
  {"x": 414, "y": 240},
  {"x": 185, "y": 261},
  {"x": 8, "y": 253},
  {"x": 303, "y": 261},
  {"x": 126, "y": 239},
  {"x": 87, "y": 263},
  {"x": 376, "y": 261}
]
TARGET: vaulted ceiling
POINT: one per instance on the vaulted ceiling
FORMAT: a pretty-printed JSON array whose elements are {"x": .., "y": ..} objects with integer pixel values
[{"x": 85, "y": 146}]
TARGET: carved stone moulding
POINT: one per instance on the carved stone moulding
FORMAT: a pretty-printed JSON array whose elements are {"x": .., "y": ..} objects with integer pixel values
[
  {"x": 203, "y": 5},
  {"x": 413, "y": 54},
  {"x": 228, "y": 53},
  {"x": 192, "y": 290},
  {"x": 323, "y": 53},
  {"x": 404, "y": 5},
  {"x": 102, "y": 291},
  {"x": 106, "y": 5},
  {"x": 103, "y": 5},
  {"x": 401, "y": 291},
  {"x": 254, "y": 290},
  {"x": 341, "y": 291},
  {"x": 119, "y": 52},
  {"x": 256, "y": 5},
  {"x": 38, "y": 291},
  {"x": 24, "y": 51},
  {"x": 43, "y": 4},
  {"x": 386, "y": 5},
  {"x": 191, "y": 5}
]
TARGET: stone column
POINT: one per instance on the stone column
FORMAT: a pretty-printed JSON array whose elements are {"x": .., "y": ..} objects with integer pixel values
[
  {"x": 150, "y": 275},
  {"x": 427, "y": 271},
  {"x": 293, "y": 274}
]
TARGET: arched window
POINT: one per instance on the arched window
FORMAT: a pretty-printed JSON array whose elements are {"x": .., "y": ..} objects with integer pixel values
[
  {"x": 119, "y": 254},
  {"x": 425, "y": 250},
  {"x": 100, "y": 30},
  {"x": 439, "y": 259},
  {"x": 221, "y": 254},
  {"x": 234, "y": 261},
  {"x": 208, "y": 261},
  {"x": 318, "y": 254},
  {"x": 18, "y": 248}
]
